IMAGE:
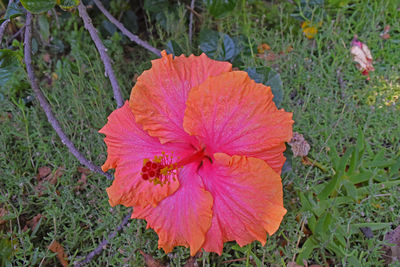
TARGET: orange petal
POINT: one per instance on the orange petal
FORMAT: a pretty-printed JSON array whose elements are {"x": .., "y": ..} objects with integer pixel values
[
  {"x": 248, "y": 200},
  {"x": 127, "y": 146},
  {"x": 231, "y": 113},
  {"x": 158, "y": 99},
  {"x": 183, "y": 218}
]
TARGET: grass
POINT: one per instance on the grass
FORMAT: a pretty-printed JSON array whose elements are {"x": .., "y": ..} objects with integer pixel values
[{"x": 323, "y": 112}]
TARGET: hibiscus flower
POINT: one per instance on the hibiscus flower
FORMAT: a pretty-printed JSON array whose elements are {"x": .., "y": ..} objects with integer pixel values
[{"x": 197, "y": 152}]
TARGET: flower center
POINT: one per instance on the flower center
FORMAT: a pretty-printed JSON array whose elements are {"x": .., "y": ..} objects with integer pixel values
[{"x": 161, "y": 170}]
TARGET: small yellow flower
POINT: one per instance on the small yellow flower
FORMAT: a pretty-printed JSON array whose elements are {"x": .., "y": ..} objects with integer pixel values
[{"x": 310, "y": 29}]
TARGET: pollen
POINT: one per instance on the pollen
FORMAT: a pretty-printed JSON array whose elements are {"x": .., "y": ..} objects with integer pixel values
[{"x": 160, "y": 170}]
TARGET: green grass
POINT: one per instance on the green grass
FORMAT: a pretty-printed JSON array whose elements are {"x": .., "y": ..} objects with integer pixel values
[{"x": 323, "y": 112}]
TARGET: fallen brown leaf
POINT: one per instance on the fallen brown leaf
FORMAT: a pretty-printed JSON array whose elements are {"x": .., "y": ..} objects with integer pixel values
[
  {"x": 43, "y": 172},
  {"x": 46, "y": 58},
  {"x": 270, "y": 56},
  {"x": 84, "y": 170},
  {"x": 299, "y": 145},
  {"x": 262, "y": 48},
  {"x": 57, "y": 174},
  {"x": 34, "y": 221},
  {"x": 191, "y": 262},
  {"x": 3, "y": 212},
  {"x": 385, "y": 34},
  {"x": 150, "y": 261},
  {"x": 82, "y": 183},
  {"x": 393, "y": 252},
  {"x": 61, "y": 256},
  {"x": 45, "y": 175}
]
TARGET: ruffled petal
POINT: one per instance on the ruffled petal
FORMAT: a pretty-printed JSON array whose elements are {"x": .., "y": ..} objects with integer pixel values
[
  {"x": 248, "y": 200},
  {"x": 231, "y": 113},
  {"x": 127, "y": 146},
  {"x": 183, "y": 218},
  {"x": 159, "y": 96}
]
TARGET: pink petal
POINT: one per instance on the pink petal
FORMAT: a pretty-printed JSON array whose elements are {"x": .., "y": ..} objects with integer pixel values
[
  {"x": 127, "y": 146},
  {"x": 231, "y": 113},
  {"x": 183, "y": 218},
  {"x": 158, "y": 99},
  {"x": 248, "y": 201}
]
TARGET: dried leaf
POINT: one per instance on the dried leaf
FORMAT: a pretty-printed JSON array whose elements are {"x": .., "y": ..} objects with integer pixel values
[
  {"x": 192, "y": 261},
  {"x": 262, "y": 48},
  {"x": 367, "y": 231},
  {"x": 362, "y": 56},
  {"x": 299, "y": 145},
  {"x": 34, "y": 221},
  {"x": 54, "y": 177},
  {"x": 393, "y": 237},
  {"x": 3, "y": 212},
  {"x": 150, "y": 261},
  {"x": 385, "y": 34},
  {"x": 270, "y": 56},
  {"x": 61, "y": 256},
  {"x": 83, "y": 170},
  {"x": 43, "y": 172},
  {"x": 46, "y": 58},
  {"x": 82, "y": 183}
]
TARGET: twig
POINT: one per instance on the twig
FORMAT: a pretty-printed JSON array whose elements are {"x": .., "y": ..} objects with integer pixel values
[
  {"x": 342, "y": 84},
  {"x": 3, "y": 27},
  {"x": 103, "y": 54},
  {"x": 125, "y": 31},
  {"x": 105, "y": 241},
  {"x": 19, "y": 32},
  {"x": 193, "y": 11},
  {"x": 191, "y": 22},
  {"x": 46, "y": 106}
]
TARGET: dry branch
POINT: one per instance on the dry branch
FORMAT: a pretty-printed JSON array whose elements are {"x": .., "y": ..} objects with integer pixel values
[
  {"x": 191, "y": 22},
  {"x": 125, "y": 31},
  {"x": 46, "y": 106},
  {"x": 105, "y": 241},
  {"x": 3, "y": 27},
  {"x": 103, "y": 54}
]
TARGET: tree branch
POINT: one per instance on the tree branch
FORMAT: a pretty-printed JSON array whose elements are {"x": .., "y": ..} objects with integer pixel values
[
  {"x": 125, "y": 31},
  {"x": 3, "y": 28},
  {"x": 46, "y": 106},
  {"x": 191, "y": 22},
  {"x": 105, "y": 241},
  {"x": 103, "y": 54}
]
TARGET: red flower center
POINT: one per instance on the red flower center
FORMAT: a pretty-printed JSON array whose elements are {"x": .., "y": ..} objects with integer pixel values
[{"x": 161, "y": 169}]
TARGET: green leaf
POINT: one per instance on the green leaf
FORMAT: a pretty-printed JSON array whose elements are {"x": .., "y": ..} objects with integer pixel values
[
  {"x": 350, "y": 189},
  {"x": 156, "y": 6},
  {"x": 306, "y": 249},
  {"x": 68, "y": 4},
  {"x": 13, "y": 10},
  {"x": 129, "y": 20},
  {"x": 322, "y": 225},
  {"x": 217, "y": 45},
  {"x": 270, "y": 78},
  {"x": 38, "y": 6},
  {"x": 361, "y": 177},
  {"x": 329, "y": 188},
  {"x": 220, "y": 8},
  {"x": 275, "y": 82},
  {"x": 44, "y": 27},
  {"x": 9, "y": 63},
  {"x": 305, "y": 203},
  {"x": 174, "y": 48}
]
